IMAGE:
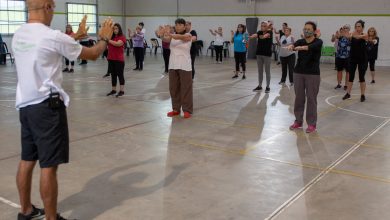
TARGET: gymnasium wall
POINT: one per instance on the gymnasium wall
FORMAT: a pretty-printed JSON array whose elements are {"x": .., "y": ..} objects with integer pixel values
[
  {"x": 206, "y": 14},
  {"x": 113, "y": 8}
]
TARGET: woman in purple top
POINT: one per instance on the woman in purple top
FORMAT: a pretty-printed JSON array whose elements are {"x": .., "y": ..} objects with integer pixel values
[
  {"x": 138, "y": 43},
  {"x": 166, "y": 49}
]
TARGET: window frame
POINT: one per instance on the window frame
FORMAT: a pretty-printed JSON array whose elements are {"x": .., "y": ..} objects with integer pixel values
[
  {"x": 12, "y": 22},
  {"x": 96, "y": 15}
]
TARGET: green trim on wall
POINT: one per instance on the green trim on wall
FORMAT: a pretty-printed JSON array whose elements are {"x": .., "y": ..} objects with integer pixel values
[
  {"x": 266, "y": 15},
  {"x": 103, "y": 14},
  {"x": 243, "y": 15}
]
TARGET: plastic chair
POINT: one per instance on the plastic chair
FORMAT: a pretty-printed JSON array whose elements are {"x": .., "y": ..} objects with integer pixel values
[
  {"x": 212, "y": 48},
  {"x": 327, "y": 52},
  {"x": 155, "y": 45},
  {"x": 129, "y": 46},
  {"x": 199, "y": 45},
  {"x": 4, "y": 52},
  {"x": 226, "y": 49},
  {"x": 146, "y": 46}
]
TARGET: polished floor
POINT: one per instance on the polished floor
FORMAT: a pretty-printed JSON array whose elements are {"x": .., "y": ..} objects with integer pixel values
[{"x": 235, "y": 159}]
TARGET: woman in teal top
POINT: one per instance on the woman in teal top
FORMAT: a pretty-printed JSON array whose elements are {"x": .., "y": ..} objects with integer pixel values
[{"x": 240, "y": 39}]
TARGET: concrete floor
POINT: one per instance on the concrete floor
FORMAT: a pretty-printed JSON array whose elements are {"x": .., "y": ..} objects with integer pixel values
[{"x": 235, "y": 159}]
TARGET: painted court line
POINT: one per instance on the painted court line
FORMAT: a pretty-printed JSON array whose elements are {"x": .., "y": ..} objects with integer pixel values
[
  {"x": 5, "y": 201},
  {"x": 352, "y": 111},
  {"x": 321, "y": 175}
]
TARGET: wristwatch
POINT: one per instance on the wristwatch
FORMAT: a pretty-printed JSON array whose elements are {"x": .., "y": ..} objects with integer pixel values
[{"x": 105, "y": 39}]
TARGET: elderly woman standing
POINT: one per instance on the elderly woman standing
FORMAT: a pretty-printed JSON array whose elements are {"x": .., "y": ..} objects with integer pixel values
[{"x": 180, "y": 70}]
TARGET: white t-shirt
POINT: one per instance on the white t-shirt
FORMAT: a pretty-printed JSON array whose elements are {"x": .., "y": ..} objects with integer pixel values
[
  {"x": 285, "y": 42},
  {"x": 218, "y": 40},
  {"x": 38, "y": 52},
  {"x": 180, "y": 58}
]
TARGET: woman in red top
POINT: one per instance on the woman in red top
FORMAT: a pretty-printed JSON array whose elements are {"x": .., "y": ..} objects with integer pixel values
[
  {"x": 69, "y": 31},
  {"x": 116, "y": 60}
]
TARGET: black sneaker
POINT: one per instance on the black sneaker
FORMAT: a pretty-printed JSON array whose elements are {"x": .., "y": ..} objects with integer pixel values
[
  {"x": 106, "y": 75},
  {"x": 235, "y": 76},
  {"x": 35, "y": 214},
  {"x": 267, "y": 90},
  {"x": 71, "y": 71},
  {"x": 136, "y": 69},
  {"x": 373, "y": 82},
  {"x": 278, "y": 63},
  {"x": 258, "y": 88},
  {"x": 347, "y": 96},
  {"x": 345, "y": 87},
  {"x": 111, "y": 93},
  {"x": 243, "y": 77},
  {"x": 59, "y": 217},
  {"x": 120, "y": 93},
  {"x": 362, "y": 98},
  {"x": 65, "y": 70},
  {"x": 338, "y": 86}
]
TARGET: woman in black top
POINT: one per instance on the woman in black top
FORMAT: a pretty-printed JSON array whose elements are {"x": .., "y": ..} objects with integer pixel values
[
  {"x": 358, "y": 59},
  {"x": 264, "y": 53},
  {"x": 194, "y": 47},
  {"x": 307, "y": 77},
  {"x": 372, "y": 50}
]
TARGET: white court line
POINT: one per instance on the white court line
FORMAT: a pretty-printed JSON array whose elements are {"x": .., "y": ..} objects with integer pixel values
[
  {"x": 7, "y": 88},
  {"x": 356, "y": 112},
  {"x": 321, "y": 175},
  {"x": 5, "y": 201}
]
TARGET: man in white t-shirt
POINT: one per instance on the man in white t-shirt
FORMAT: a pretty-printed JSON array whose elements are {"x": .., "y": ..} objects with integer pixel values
[{"x": 42, "y": 101}]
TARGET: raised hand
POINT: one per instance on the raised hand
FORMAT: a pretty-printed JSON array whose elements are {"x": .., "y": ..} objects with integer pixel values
[
  {"x": 107, "y": 29},
  {"x": 82, "y": 32}
]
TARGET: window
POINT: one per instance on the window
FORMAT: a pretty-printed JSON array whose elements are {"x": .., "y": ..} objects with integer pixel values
[
  {"x": 76, "y": 12},
  {"x": 12, "y": 15}
]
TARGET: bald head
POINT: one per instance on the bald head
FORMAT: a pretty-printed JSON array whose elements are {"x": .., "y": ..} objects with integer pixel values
[
  {"x": 40, "y": 11},
  {"x": 38, "y": 4}
]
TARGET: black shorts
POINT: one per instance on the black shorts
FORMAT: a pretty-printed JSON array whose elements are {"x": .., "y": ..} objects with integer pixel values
[
  {"x": 44, "y": 133},
  {"x": 342, "y": 64}
]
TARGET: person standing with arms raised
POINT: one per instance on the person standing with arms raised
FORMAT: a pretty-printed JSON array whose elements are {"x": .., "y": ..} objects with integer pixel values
[
  {"x": 240, "y": 39},
  {"x": 180, "y": 80},
  {"x": 264, "y": 53},
  {"x": 307, "y": 77},
  {"x": 218, "y": 43},
  {"x": 42, "y": 101},
  {"x": 358, "y": 60}
]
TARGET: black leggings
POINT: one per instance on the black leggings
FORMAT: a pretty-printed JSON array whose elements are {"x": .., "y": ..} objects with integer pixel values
[
  {"x": 362, "y": 68},
  {"x": 85, "y": 44},
  {"x": 67, "y": 62},
  {"x": 166, "y": 54},
  {"x": 372, "y": 65},
  {"x": 139, "y": 57},
  {"x": 290, "y": 63},
  {"x": 240, "y": 58},
  {"x": 116, "y": 68},
  {"x": 193, "y": 56},
  {"x": 218, "y": 52}
]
